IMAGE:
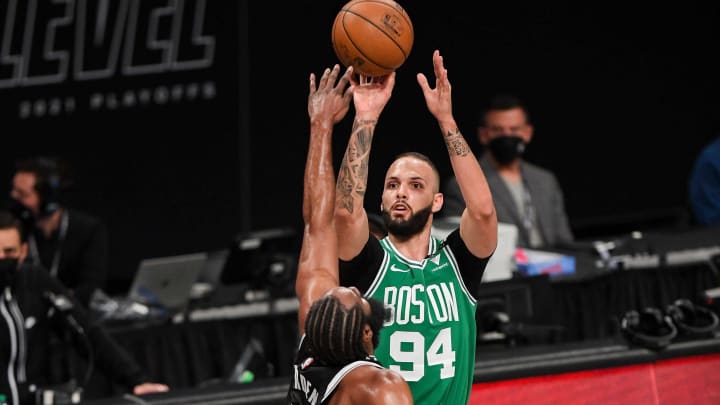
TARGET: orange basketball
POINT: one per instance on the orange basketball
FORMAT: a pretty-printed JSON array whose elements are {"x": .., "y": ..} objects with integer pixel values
[{"x": 374, "y": 36}]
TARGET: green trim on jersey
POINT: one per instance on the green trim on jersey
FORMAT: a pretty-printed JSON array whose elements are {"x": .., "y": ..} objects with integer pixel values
[{"x": 431, "y": 337}]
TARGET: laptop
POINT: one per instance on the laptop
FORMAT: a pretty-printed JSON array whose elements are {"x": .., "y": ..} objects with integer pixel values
[
  {"x": 166, "y": 282},
  {"x": 502, "y": 263},
  {"x": 213, "y": 267},
  {"x": 209, "y": 279}
]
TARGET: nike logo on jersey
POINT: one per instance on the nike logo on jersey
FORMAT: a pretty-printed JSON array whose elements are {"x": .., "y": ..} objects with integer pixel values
[
  {"x": 439, "y": 267},
  {"x": 398, "y": 269}
]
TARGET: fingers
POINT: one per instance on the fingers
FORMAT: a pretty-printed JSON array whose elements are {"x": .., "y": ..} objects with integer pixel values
[
  {"x": 384, "y": 81},
  {"x": 332, "y": 77},
  {"x": 441, "y": 75},
  {"x": 387, "y": 82},
  {"x": 312, "y": 83},
  {"x": 440, "y": 71},
  {"x": 390, "y": 79},
  {"x": 324, "y": 78},
  {"x": 148, "y": 388},
  {"x": 347, "y": 96},
  {"x": 349, "y": 77},
  {"x": 423, "y": 82},
  {"x": 346, "y": 78},
  {"x": 354, "y": 81},
  {"x": 329, "y": 77}
]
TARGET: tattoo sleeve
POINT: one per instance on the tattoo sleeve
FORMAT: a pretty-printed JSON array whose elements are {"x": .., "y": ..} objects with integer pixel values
[
  {"x": 456, "y": 144},
  {"x": 353, "y": 173}
]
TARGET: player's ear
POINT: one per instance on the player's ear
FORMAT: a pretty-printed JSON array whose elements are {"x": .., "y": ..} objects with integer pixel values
[
  {"x": 438, "y": 201},
  {"x": 367, "y": 334}
]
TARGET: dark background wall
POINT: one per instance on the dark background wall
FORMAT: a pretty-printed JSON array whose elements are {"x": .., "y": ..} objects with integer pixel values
[{"x": 622, "y": 96}]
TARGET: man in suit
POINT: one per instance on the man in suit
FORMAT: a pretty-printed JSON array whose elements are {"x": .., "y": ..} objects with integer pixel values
[{"x": 525, "y": 195}]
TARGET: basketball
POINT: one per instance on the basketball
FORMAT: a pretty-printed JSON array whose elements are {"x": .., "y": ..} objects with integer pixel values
[{"x": 374, "y": 36}]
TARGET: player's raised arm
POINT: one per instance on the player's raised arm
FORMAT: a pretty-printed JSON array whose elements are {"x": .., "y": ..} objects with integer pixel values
[
  {"x": 370, "y": 98},
  {"x": 478, "y": 224},
  {"x": 328, "y": 102}
]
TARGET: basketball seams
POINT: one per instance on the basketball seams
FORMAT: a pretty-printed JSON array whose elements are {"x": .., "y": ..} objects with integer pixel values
[
  {"x": 376, "y": 36},
  {"x": 400, "y": 10},
  {"x": 348, "y": 9},
  {"x": 360, "y": 51},
  {"x": 350, "y": 40},
  {"x": 379, "y": 28}
]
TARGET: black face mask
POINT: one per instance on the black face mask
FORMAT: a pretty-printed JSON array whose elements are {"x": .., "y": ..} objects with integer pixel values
[
  {"x": 506, "y": 148},
  {"x": 8, "y": 270}
]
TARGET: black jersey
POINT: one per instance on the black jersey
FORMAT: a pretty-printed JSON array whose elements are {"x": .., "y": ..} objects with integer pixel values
[{"x": 313, "y": 382}]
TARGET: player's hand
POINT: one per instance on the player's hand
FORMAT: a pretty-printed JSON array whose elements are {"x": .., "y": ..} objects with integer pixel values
[
  {"x": 438, "y": 99},
  {"x": 148, "y": 388},
  {"x": 371, "y": 95},
  {"x": 329, "y": 98}
]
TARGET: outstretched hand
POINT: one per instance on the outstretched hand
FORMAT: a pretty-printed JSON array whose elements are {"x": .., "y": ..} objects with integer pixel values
[
  {"x": 328, "y": 99},
  {"x": 439, "y": 99},
  {"x": 372, "y": 94}
]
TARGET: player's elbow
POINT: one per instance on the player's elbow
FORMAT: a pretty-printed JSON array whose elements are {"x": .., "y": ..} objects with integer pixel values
[
  {"x": 347, "y": 219},
  {"x": 484, "y": 213},
  {"x": 343, "y": 215}
]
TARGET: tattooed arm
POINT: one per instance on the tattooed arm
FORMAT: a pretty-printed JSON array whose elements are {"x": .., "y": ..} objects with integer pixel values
[
  {"x": 478, "y": 224},
  {"x": 351, "y": 220}
]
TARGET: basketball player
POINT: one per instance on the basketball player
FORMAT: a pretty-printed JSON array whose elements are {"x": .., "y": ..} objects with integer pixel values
[
  {"x": 427, "y": 283},
  {"x": 339, "y": 328}
]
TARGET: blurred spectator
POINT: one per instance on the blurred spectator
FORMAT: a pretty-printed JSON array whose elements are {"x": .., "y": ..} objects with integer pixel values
[
  {"x": 36, "y": 308},
  {"x": 704, "y": 185},
  {"x": 525, "y": 195},
  {"x": 71, "y": 244}
]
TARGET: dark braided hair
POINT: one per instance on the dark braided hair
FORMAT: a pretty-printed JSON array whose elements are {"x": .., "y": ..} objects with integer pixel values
[{"x": 335, "y": 332}]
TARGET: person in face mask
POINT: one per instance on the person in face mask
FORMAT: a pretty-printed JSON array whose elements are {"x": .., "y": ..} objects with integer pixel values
[
  {"x": 37, "y": 310},
  {"x": 71, "y": 244},
  {"x": 525, "y": 195}
]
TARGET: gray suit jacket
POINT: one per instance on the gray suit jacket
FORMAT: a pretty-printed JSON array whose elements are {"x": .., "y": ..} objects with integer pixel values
[{"x": 545, "y": 193}]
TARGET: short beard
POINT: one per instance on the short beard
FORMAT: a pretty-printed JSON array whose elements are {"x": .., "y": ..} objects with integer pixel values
[{"x": 405, "y": 229}]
